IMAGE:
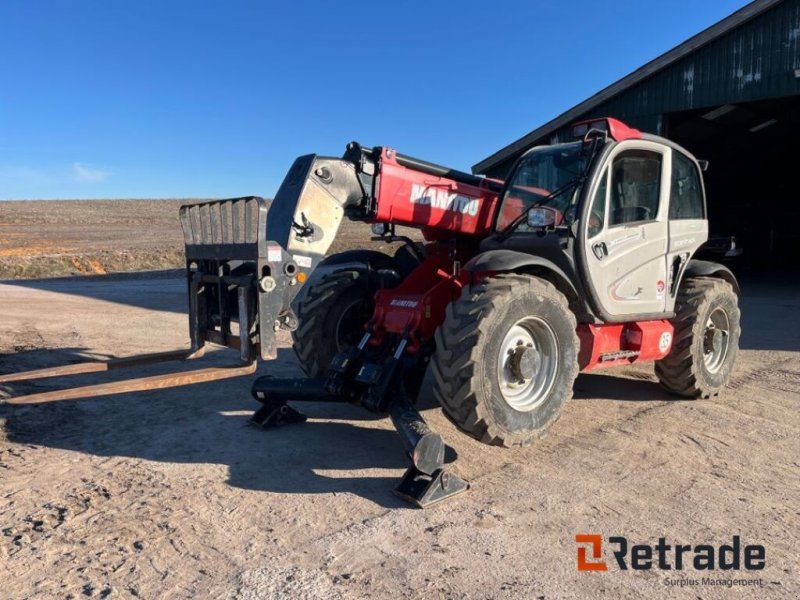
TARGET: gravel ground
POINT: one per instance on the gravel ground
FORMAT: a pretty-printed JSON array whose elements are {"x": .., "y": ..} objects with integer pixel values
[{"x": 171, "y": 494}]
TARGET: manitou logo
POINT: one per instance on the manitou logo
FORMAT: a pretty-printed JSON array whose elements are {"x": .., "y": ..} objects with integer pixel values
[
  {"x": 404, "y": 303},
  {"x": 459, "y": 203},
  {"x": 666, "y": 557}
]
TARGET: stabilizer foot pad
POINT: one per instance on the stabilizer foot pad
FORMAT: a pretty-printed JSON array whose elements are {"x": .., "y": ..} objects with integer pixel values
[
  {"x": 423, "y": 490},
  {"x": 268, "y": 416}
]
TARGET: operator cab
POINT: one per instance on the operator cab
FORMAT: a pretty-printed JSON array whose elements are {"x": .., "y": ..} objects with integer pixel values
[
  {"x": 619, "y": 212},
  {"x": 546, "y": 183}
]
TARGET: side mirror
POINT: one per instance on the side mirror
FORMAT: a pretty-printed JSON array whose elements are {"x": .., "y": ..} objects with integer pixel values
[
  {"x": 703, "y": 164},
  {"x": 380, "y": 229},
  {"x": 540, "y": 217}
]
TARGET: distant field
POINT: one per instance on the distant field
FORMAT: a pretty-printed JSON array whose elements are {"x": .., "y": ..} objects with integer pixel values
[{"x": 54, "y": 238}]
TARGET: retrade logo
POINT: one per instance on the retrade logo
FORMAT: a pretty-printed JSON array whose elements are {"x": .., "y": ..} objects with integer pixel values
[
  {"x": 595, "y": 549},
  {"x": 733, "y": 556}
]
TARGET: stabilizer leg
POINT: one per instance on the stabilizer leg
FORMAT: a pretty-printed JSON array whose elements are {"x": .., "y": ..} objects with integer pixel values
[
  {"x": 274, "y": 392},
  {"x": 426, "y": 481},
  {"x": 275, "y": 415},
  {"x": 423, "y": 490}
]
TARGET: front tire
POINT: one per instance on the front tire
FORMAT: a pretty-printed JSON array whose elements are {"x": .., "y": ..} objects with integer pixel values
[
  {"x": 506, "y": 359},
  {"x": 705, "y": 340},
  {"x": 331, "y": 318}
]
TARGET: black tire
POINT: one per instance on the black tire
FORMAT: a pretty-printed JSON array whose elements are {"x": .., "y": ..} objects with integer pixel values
[
  {"x": 685, "y": 371},
  {"x": 468, "y": 346},
  {"x": 331, "y": 317}
]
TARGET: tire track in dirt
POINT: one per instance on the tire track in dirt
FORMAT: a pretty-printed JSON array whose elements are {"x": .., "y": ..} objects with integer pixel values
[
  {"x": 781, "y": 375},
  {"x": 124, "y": 514}
]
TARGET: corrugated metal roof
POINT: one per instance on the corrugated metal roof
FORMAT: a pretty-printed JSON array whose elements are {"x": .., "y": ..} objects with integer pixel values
[{"x": 753, "y": 62}]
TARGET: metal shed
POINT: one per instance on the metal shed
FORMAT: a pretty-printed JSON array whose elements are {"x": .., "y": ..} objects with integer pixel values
[{"x": 731, "y": 95}]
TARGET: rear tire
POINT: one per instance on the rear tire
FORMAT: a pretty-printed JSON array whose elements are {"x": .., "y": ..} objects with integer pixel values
[
  {"x": 705, "y": 339},
  {"x": 331, "y": 318},
  {"x": 506, "y": 359}
]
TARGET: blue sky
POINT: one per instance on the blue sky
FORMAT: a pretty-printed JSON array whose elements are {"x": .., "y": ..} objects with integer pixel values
[{"x": 168, "y": 98}]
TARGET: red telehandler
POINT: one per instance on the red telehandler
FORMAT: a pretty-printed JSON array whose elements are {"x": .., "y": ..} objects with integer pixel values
[{"x": 581, "y": 259}]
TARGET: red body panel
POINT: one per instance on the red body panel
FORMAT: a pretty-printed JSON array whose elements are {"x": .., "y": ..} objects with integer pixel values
[
  {"x": 418, "y": 304},
  {"x": 617, "y": 130},
  {"x": 438, "y": 205},
  {"x": 650, "y": 339}
]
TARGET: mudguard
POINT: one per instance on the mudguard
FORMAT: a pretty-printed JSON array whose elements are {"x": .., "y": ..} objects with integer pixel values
[
  {"x": 705, "y": 268},
  {"x": 372, "y": 259},
  {"x": 511, "y": 260}
]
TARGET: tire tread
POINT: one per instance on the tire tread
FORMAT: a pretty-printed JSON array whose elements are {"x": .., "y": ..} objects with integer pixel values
[
  {"x": 459, "y": 342},
  {"x": 680, "y": 371}
]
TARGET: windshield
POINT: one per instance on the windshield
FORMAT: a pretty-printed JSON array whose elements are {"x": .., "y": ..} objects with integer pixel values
[{"x": 537, "y": 175}]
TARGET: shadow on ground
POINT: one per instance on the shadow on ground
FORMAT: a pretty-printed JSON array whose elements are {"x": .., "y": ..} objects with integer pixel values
[
  {"x": 610, "y": 386},
  {"x": 209, "y": 424},
  {"x": 155, "y": 290}
]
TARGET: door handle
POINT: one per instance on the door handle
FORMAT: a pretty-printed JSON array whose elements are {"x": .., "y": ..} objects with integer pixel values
[{"x": 600, "y": 250}]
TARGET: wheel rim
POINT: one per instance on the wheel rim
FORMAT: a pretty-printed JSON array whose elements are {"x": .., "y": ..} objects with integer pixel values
[
  {"x": 716, "y": 340},
  {"x": 527, "y": 363},
  {"x": 350, "y": 325}
]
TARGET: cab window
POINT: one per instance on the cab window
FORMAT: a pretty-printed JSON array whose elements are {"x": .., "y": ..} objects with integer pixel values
[
  {"x": 546, "y": 176},
  {"x": 686, "y": 191},
  {"x": 597, "y": 214},
  {"x": 635, "y": 187}
]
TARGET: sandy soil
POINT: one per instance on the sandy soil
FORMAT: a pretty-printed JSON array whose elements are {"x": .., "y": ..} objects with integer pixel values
[
  {"x": 172, "y": 495},
  {"x": 93, "y": 237}
]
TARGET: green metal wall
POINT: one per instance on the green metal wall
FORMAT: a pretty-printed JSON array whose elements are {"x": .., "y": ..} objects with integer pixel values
[{"x": 755, "y": 61}]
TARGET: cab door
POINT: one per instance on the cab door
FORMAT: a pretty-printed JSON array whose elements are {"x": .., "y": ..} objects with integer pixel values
[
  {"x": 627, "y": 231},
  {"x": 688, "y": 227}
]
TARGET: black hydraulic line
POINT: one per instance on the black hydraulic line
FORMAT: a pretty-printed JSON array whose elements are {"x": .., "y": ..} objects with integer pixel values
[{"x": 440, "y": 171}]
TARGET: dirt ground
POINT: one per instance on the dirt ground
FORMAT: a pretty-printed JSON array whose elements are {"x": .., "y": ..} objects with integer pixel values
[
  {"x": 172, "y": 494},
  {"x": 53, "y": 238}
]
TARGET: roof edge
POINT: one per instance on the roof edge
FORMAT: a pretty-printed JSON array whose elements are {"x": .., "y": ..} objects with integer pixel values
[{"x": 662, "y": 61}]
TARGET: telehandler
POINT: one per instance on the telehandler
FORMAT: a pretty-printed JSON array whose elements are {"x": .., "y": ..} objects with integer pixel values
[{"x": 581, "y": 259}]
